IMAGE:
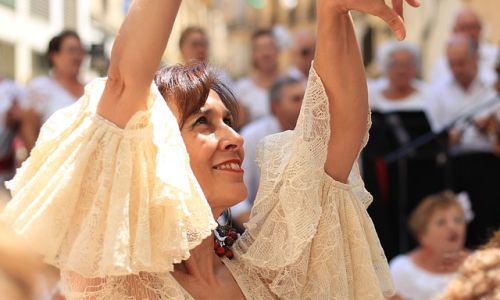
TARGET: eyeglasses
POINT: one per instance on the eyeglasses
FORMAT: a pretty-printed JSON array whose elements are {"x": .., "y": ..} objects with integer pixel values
[{"x": 74, "y": 51}]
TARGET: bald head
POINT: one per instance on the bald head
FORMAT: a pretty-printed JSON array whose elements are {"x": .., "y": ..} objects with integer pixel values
[
  {"x": 302, "y": 51},
  {"x": 462, "y": 57},
  {"x": 468, "y": 23}
]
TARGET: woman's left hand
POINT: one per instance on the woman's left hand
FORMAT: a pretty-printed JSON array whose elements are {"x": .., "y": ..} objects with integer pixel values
[{"x": 393, "y": 16}]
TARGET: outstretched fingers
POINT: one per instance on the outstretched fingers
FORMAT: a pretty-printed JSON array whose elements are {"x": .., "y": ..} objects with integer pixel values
[
  {"x": 392, "y": 17},
  {"x": 397, "y": 5},
  {"x": 414, "y": 3}
]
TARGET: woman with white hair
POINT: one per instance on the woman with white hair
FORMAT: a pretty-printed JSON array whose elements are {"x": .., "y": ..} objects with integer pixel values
[{"x": 400, "y": 89}]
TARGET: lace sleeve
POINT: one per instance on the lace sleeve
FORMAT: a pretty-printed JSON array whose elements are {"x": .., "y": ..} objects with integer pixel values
[
  {"x": 102, "y": 201},
  {"x": 309, "y": 235}
]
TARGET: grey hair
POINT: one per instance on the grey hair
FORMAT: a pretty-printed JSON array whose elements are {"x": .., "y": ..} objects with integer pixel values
[
  {"x": 388, "y": 49},
  {"x": 277, "y": 88}
]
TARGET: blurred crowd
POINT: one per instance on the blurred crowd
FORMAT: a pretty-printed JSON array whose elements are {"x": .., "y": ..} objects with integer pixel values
[{"x": 432, "y": 162}]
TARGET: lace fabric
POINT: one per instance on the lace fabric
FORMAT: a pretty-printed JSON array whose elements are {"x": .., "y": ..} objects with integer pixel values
[
  {"x": 309, "y": 236},
  {"x": 100, "y": 200}
]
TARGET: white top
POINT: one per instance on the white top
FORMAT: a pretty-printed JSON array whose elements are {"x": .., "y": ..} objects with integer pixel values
[
  {"x": 295, "y": 73},
  {"x": 449, "y": 101},
  {"x": 414, "y": 102},
  {"x": 46, "y": 96},
  {"x": 414, "y": 283},
  {"x": 253, "y": 97},
  {"x": 10, "y": 92},
  {"x": 488, "y": 55},
  {"x": 252, "y": 134}
]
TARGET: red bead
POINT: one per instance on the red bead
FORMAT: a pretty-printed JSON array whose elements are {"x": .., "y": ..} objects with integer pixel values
[
  {"x": 229, "y": 254},
  {"x": 229, "y": 241},
  {"x": 220, "y": 251},
  {"x": 233, "y": 235}
]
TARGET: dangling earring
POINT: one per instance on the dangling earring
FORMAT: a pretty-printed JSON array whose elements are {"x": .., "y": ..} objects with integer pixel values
[{"x": 225, "y": 236}]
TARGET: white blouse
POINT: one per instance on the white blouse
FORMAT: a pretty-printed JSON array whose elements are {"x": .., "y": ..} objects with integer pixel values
[{"x": 414, "y": 283}]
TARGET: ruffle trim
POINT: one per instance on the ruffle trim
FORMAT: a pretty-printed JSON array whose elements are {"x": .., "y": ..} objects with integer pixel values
[{"x": 125, "y": 223}]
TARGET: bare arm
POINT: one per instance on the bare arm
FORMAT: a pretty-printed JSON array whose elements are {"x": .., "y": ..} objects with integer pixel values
[
  {"x": 135, "y": 57},
  {"x": 338, "y": 63}
]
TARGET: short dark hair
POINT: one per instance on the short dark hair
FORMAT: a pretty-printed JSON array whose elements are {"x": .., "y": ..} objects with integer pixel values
[
  {"x": 189, "y": 30},
  {"x": 187, "y": 87},
  {"x": 57, "y": 41},
  {"x": 277, "y": 88},
  {"x": 262, "y": 32}
]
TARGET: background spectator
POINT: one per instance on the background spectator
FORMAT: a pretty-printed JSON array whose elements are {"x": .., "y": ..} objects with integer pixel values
[
  {"x": 11, "y": 98},
  {"x": 286, "y": 99},
  {"x": 253, "y": 91},
  {"x": 469, "y": 24},
  {"x": 194, "y": 45},
  {"x": 439, "y": 225},
  {"x": 302, "y": 54},
  {"x": 399, "y": 116},
  {"x": 474, "y": 165},
  {"x": 47, "y": 94}
]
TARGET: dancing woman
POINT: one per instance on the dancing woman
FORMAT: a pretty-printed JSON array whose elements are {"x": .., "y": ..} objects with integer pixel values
[{"x": 122, "y": 188}]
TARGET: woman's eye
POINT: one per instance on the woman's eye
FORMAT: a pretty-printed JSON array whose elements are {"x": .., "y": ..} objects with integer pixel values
[
  {"x": 440, "y": 222},
  {"x": 228, "y": 122},
  {"x": 201, "y": 121}
]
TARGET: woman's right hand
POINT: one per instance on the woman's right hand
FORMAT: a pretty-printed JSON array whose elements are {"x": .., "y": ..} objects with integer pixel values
[{"x": 392, "y": 16}]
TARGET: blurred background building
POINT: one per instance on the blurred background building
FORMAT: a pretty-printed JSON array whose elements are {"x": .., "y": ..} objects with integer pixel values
[{"x": 27, "y": 25}]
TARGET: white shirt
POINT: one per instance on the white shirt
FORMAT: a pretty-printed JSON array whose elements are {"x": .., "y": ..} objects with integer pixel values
[
  {"x": 414, "y": 283},
  {"x": 488, "y": 55},
  {"x": 295, "y": 73},
  {"x": 9, "y": 92},
  {"x": 253, "y": 97},
  {"x": 417, "y": 101},
  {"x": 450, "y": 101},
  {"x": 252, "y": 134},
  {"x": 46, "y": 96}
]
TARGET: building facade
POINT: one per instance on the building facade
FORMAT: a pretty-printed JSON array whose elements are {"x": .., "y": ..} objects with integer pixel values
[{"x": 26, "y": 26}]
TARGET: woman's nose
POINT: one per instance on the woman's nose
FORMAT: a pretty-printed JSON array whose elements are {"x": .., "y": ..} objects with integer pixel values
[{"x": 230, "y": 139}]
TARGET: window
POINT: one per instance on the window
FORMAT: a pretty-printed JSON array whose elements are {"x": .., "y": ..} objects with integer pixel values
[
  {"x": 7, "y": 53},
  {"x": 40, "y": 8},
  {"x": 39, "y": 64},
  {"x": 70, "y": 16},
  {"x": 9, "y": 3}
]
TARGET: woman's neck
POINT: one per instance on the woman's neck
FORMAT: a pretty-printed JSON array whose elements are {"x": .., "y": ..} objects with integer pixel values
[
  {"x": 203, "y": 263},
  {"x": 265, "y": 79},
  {"x": 438, "y": 262},
  {"x": 65, "y": 78},
  {"x": 398, "y": 93}
]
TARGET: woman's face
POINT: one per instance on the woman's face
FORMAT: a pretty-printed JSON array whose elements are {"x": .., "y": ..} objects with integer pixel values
[
  {"x": 402, "y": 69},
  {"x": 69, "y": 58},
  {"x": 216, "y": 154},
  {"x": 445, "y": 231}
]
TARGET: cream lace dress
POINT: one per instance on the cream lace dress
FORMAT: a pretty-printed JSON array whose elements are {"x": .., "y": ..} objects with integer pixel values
[{"x": 115, "y": 208}]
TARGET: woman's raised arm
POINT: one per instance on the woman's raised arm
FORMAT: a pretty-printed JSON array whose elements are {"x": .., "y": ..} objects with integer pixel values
[
  {"x": 135, "y": 57},
  {"x": 339, "y": 65}
]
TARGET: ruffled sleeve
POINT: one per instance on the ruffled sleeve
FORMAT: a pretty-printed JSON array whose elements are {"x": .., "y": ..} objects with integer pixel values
[
  {"x": 104, "y": 201},
  {"x": 310, "y": 236}
]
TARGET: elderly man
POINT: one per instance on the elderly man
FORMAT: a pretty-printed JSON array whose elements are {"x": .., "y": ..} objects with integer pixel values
[
  {"x": 469, "y": 24},
  {"x": 302, "y": 54},
  {"x": 286, "y": 99},
  {"x": 467, "y": 97}
]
